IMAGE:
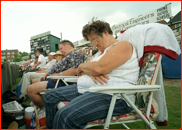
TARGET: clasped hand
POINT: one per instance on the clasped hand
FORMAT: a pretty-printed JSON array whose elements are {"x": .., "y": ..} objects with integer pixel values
[
  {"x": 101, "y": 79},
  {"x": 96, "y": 78}
]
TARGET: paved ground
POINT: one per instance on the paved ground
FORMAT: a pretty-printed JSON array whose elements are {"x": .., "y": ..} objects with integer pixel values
[{"x": 172, "y": 82}]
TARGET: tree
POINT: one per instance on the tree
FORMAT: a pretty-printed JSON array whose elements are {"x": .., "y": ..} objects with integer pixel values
[
  {"x": 16, "y": 59},
  {"x": 24, "y": 54},
  {"x": 20, "y": 52},
  {"x": 15, "y": 55}
]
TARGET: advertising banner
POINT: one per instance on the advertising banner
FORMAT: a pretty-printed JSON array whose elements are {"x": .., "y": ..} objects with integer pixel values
[{"x": 151, "y": 17}]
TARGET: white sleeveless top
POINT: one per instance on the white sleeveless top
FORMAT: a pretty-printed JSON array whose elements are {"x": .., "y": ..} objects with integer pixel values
[{"x": 126, "y": 74}]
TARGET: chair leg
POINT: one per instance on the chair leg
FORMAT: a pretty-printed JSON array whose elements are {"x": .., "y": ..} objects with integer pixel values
[
  {"x": 57, "y": 83},
  {"x": 152, "y": 126},
  {"x": 111, "y": 108},
  {"x": 65, "y": 82},
  {"x": 149, "y": 105},
  {"x": 125, "y": 126},
  {"x": 148, "y": 122}
]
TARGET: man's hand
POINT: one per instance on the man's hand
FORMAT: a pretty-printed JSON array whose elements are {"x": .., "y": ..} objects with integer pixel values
[
  {"x": 41, "y": 72},
  {"x": 40, "y": 69},
  {"x": 56, "y": 74},
  {"x": 101, "y": 79},
  {"x": 45, "y": 76},
  {"x": 33, "y": 67}
]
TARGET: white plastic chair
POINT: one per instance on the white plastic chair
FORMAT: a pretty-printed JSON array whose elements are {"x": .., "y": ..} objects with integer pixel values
[
  {"x": 115, "y": 90},
  {"x": 65, "y": 79},
  {"x": 147, "y": 86}
]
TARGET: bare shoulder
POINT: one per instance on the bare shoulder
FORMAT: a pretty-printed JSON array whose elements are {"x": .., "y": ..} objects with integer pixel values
[{"x": 123, "y": 45}]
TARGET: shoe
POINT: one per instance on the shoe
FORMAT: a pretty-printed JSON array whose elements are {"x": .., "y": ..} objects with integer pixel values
[
  {"x": 61, "y": 104},
  {"x": 22, "y": 95},
  {"x": 13, "y": 125}
]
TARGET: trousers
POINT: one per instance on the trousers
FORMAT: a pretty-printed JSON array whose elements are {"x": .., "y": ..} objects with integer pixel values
[
  {"x": 27, "y": 80},
  {"x": 81, "y": 109}
]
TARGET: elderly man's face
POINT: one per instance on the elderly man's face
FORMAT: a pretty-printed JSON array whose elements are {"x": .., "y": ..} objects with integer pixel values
[{"x": 63, "y": 49}]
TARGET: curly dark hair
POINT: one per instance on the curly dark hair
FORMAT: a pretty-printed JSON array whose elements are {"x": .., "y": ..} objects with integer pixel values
[{"x": 97, "y": 27}]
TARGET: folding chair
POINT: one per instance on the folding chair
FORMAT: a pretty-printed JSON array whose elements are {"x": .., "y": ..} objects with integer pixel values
[
  {"x": 146, "y": 108},
  {"x": 65, "y": 79}
]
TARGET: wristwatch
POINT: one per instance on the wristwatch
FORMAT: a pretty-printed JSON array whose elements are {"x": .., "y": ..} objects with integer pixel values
[{"x": 61, "y": 74}]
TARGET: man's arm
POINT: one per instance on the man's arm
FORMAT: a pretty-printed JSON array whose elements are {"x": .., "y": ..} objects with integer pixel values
[
  {"x": 42, "y": 69},
  {"x": 37, "y": 64},
  {"x": 68, "y": 72}
]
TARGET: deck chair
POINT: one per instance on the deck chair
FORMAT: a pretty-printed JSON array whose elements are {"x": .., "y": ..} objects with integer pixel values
[
  {"x": 65, "y": 79},
  {"x": 146, "y": 108}
]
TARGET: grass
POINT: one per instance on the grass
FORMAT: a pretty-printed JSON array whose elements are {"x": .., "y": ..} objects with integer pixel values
[
  {"x": 173, "y": 101},
  {"x": 15, "y": 86}
]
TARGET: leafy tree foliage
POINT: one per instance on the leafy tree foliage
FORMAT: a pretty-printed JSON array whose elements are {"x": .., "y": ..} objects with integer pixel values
[{"x": 18, "y": 58}]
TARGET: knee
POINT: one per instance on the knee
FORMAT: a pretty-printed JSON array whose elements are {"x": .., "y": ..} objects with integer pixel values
[
  {"x": 34, "y": 81},
  {"x": 30, "y": 89}
]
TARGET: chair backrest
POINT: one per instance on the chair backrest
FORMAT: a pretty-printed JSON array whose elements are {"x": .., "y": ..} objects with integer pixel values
[
  {"x": 147, "y": 76},
  {"x": 149, "y": 68}
]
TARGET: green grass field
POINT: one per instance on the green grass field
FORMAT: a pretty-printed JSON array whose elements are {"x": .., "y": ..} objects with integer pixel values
[{"x": 173, "y": 101}]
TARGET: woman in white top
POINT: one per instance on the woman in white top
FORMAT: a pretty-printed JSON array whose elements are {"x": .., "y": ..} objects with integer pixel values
[{"x": 115, "y": 63}]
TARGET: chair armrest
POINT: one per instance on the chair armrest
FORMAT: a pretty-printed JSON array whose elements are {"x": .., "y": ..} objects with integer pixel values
[
  {"x": 61, "y": 77},
  {"x": 71, "y": 80},
  {"x": 124, "y": 89}
]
